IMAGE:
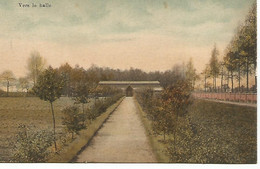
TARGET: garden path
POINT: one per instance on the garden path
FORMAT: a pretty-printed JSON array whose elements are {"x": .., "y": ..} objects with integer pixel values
[{"x": 122, "y": 138}]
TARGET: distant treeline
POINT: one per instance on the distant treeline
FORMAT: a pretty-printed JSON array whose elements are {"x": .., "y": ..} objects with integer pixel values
[
  {"x": 74, "y": 77},
  {"x": 94, "y": 74}
]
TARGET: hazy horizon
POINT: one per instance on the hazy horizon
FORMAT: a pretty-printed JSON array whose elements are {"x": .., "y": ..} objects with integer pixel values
[{"x": 145, "y": 34}]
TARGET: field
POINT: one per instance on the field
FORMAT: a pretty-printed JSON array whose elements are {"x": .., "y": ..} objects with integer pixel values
[
  {"x": 30, "y": 111},
  {"x": 223, "y": 133}
]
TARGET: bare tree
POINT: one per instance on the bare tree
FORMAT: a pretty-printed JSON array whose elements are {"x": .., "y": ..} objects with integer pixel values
[
  {"x": 35, "y": 65},
  {"x": 214, "y": 66},
  {"x": 7, "y": 77},
  {"x": 24, "y": 83},
  {"x": 206, "y": 73},
  {"x": 190, "y": 73}
]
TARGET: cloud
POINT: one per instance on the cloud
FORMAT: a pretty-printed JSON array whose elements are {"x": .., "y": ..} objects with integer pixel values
[{"x": 134, "y": 32}]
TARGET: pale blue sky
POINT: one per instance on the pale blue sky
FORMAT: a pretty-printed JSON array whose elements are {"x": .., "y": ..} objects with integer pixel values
[{"x": 148, "y": 34}]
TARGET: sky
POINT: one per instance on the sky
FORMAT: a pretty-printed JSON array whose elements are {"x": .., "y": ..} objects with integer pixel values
[{"x": 146, "y": 34}]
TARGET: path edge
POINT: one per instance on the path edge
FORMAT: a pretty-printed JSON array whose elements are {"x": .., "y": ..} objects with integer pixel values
[
  {"x": 160, "y": 157},
  {"x": 77, "y": 146}
]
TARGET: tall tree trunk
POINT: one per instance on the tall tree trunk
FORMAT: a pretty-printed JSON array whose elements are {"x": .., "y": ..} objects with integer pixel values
[
  {"x": 232, "y": 82},
  {"x": 247, "y": 74},
  {"x": 255, "y": 78},
  {"x": 54, "y": 134},
  {"x": 222, "y": 74},
  {"x": 7, "y": 88},
  {"x": 175, "y": 132},
  {"x": 213, "y": 85},
  {"x": 205, "y": 83},
  {"x": 239, "y": 76},
  {"x": 228, "y": 79}
]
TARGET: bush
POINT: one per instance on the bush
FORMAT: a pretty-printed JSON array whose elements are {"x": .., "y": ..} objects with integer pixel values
[
  {"x": 73, "y": 120},
  {"x": 168, "y": 114},
  {"x": 101, "y": 106},
  {"x": 32, "y": 146}
]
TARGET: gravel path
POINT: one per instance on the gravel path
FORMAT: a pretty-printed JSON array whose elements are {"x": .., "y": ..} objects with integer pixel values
[
  {"x": 235, "y": 103},
  {"x": 121, "y": 139}
]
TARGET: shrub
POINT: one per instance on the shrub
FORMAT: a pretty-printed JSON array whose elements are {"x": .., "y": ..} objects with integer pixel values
[
  {"x": 32, "y": 146},
  {"x": 73, "y": 119},
  {"x": 101, "y": 106}
]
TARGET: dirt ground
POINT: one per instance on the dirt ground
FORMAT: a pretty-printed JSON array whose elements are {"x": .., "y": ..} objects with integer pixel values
[{"x": 121, "y": 139}]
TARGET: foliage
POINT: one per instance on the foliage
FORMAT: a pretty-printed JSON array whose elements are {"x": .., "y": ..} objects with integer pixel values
[
  {"x": 100, "y": 106},
  {"x": 190, "y": 73},
  {"x": 211, "y": 132},
  {"x": 180, "y": 148},
  {"x": 158, "y": 112},
  {"x": 31, "y": 146},
  {"x": 49, "y": 88},
  {"x": 65, "y": 71},
  {"x": 169, "y": 116},
  {"x": 49, "y": 85},
  {"x": 30, "y": 111},
  {"x": 73, "y": 119},
  {"x": 81, "y": 94},
  {"x": 240, "y": 57}
]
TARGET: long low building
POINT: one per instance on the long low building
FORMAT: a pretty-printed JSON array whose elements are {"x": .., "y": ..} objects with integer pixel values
[{"x": 131, "y": 86}]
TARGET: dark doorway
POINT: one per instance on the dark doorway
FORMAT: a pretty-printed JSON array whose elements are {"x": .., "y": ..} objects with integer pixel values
[{"x": 129, "y": 91}]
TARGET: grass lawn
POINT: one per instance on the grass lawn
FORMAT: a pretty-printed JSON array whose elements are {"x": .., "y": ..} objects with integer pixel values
[
  {"x": 222, "y": 133},
  {"x": 30, "y": 111}
]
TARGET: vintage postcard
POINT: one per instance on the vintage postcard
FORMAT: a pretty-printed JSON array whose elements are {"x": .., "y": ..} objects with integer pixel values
[{"x": 128, "y": 81}]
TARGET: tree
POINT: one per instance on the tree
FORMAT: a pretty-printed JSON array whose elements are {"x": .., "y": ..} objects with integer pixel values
[
  {"x": 7, "y": 76},
  {"x": 230, "y": 67},
  {"x": 49, "y": 87},
  {"x": 178, "y": 97},
  {"x": 73, "y": 119},
  {"x": 231, "y": 62},
  {"x": 35, "y": 65},
  {"x": 24, "y": 83},
  {"x": 65, "y": 71},
  {"x": 214, "y": 66},
  {"x": 248, "y": 44},
  {"x": 81, "y": 93},
  {"x": 190, "y": 73},
  {"x": 222, "y": 72},
  {"x": 206, "y": 73},
  {"x": 163, "y": 121},
  {"x": 80, "y": 86}
]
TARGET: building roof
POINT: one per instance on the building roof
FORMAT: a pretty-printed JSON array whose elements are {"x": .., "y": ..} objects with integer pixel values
[{"x": 129, "y": 83}]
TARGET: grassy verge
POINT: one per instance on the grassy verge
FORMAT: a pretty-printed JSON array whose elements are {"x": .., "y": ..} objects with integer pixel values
[
  {"x": 71, "y": 151},
  {"x": 157, "y": 146}
]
